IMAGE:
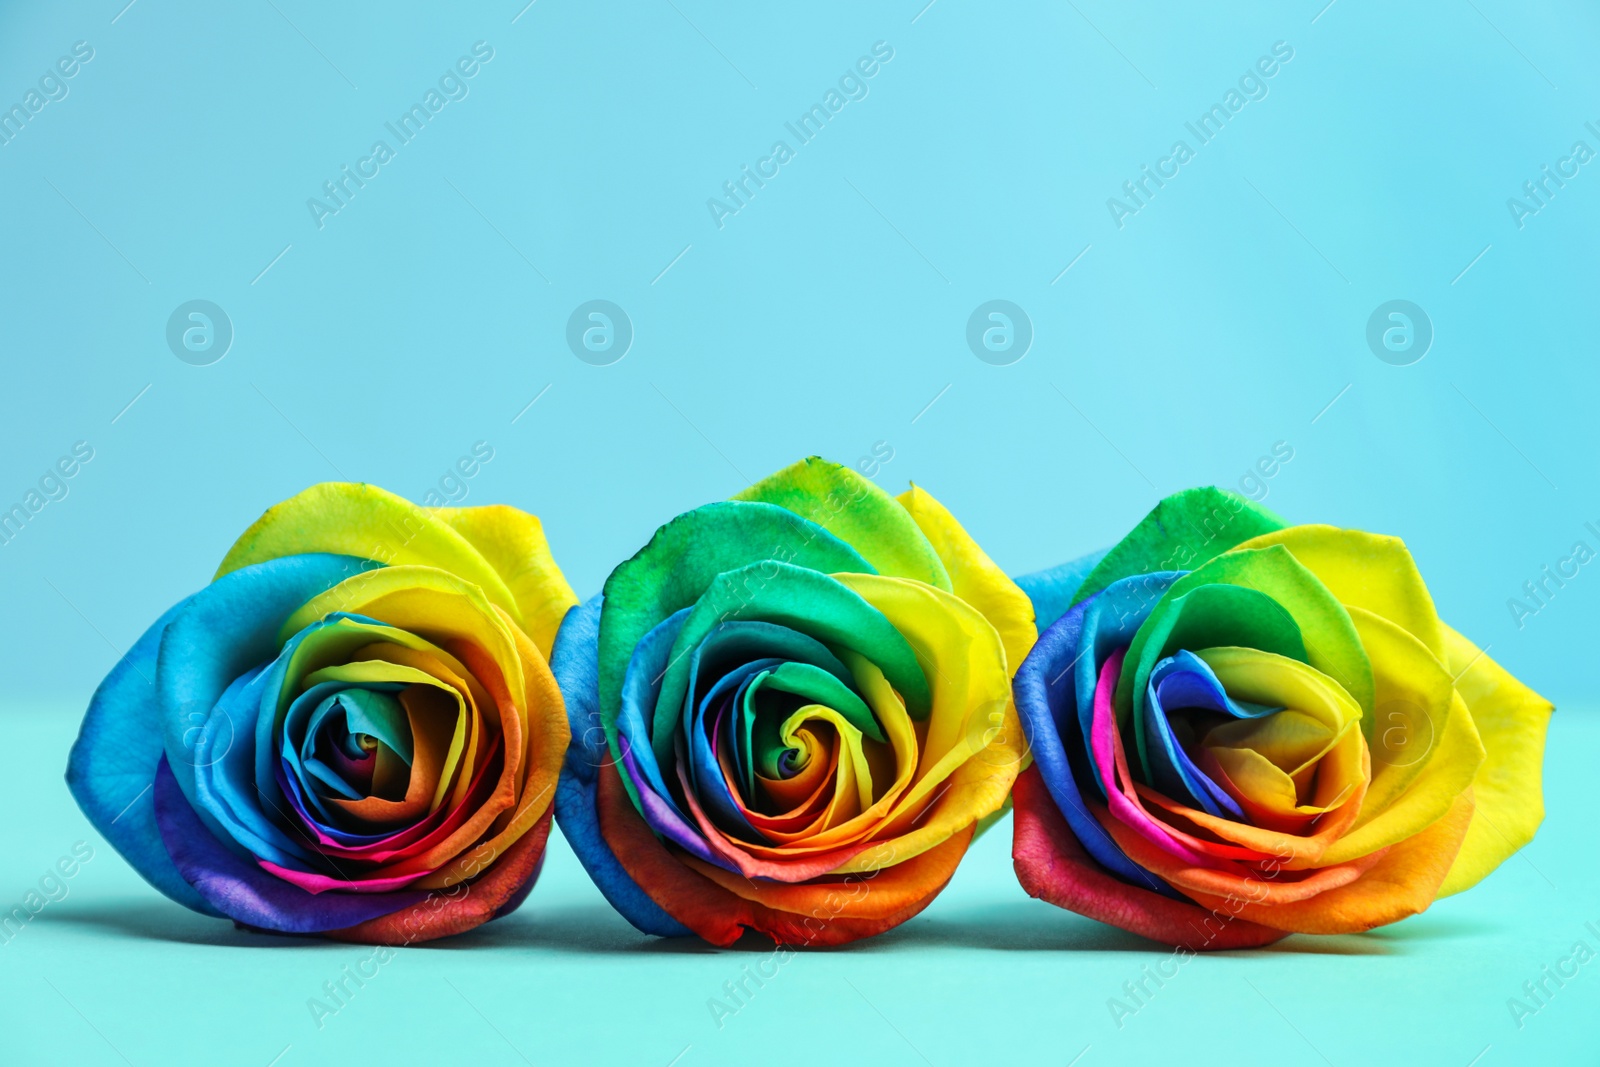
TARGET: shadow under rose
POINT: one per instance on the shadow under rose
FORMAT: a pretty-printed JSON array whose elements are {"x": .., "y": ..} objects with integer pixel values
[
  {"x": 1323, "y": 945},
  {"x": 1004, "y": 927},
  {"x": 1012, "y": 926},
  {"x": 1033, "y": 926},
  {"x": 594, "y": 929},
  {"x": 1435, "y": 928},
  {"x": 155, "y": 920},
  {"x": 583, "y": 929}
]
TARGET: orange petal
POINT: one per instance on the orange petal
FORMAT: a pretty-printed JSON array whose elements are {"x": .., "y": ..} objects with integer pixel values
[
  {"x": 1403, "y": 882},
  {"x": 721, "y": 916},
  {"x": 1230, "y": 880}
]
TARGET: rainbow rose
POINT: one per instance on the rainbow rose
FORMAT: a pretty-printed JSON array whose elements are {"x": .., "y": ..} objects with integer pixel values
[
  {"x": 1242, "y": 729},
  {"x": 790, "y": 712},
  {"x": 352, "y": 731}
]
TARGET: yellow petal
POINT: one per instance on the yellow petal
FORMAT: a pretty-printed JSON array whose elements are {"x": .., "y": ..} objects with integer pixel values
[
  {"x": 1425, "y": 747},
  {"x": 1365, "y": 570},
  {"x": 974, "y": 576},
  {"x": 1260, "y": 781},
  {"x": 1445, "y": 780},
  {"x": 1258, "y": 677},
  {"x": 1329, "y": 777},
  {"x": 1288, "y": 739},
  {"x": 438, "y": 605},
  {"x": 365, "y": 521},
  {"x": 973, "y": 747},
  {"x": 1399, "y": 884},
  {"x": 545, "y": 746},
  {"x": 513, "y": 543},
  {"x": 857, "y": 512},
  {"x": 1508, "y": 789},
  {"x": 854, "y": 774},
  {"x": 1414, "y": 695}
]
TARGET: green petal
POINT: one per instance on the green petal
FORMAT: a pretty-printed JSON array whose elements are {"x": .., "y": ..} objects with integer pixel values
[
  {"x": 682, "y": 560},
  {"x": 859, "y": 513},
  {"x": 1181, "y": 533},
  {"x": 803, "y": 600},
  {"x": 1284, "y": 588},
  {"x": 817, "y": 686},
  {"x": 1205, "y": 616}
]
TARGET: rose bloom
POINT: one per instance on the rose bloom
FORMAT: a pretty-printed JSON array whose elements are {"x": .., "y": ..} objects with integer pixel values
[
  {"x": 352, "y": 731},
  {"x": 791, "y": 712},
  {"x": 1242, "y": 729}
]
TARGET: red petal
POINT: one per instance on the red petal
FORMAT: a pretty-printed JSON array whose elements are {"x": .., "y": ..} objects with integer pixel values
[
  {"x": 471, "y": 905},
  {"x": 1053, "y": 866}
]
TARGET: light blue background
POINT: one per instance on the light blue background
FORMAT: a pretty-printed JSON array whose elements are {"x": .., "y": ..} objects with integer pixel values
[{"x": 822, "y": 318}]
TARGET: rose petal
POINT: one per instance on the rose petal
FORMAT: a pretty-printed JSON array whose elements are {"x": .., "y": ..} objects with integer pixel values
[
  {"x": 1047, "y": 700},
  {"x": 575, "y": 663},
  {"x": 815, "y": 604},
  {"x": 1181, "y": 533},
  {"x": 112, "y": 765},
  {"x": 465, "y": 905},
  {"x": 1507, "y": 790},
  {"x": 693, "y": 899},
  {"x": 1052, "y": 589},
  {"x": 244, "y": 892},
  {"x": 513, "y": 543},
  {"x": 681, "y": 561},
  {"x": 370, "y": 523},
  {"x": 973, "y": 575},
  {"x": 1403, "y": 881},
  {"x": 225, "y": 629},
  {"x": 859, "y": 513},
  {"x": 1052, "y": 865},
  {"x": 1274, "y": 593},
  {"x": 1365, "y": 570}
]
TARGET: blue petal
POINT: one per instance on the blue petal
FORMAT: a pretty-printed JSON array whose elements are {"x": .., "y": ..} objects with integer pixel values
[
  {"x": 1044, "y": 698},
  {"x": 1172, "y": 770},
  {"x": 1052, "y": 590},
  {"x": 225, "y": 629},
  {"x": 639, "y": 688},
  {"x": 1110, "y": 619},
  {"x": 112, "y": 767},
  {"x": 732, "y": 684},
  {"x": 225, "y": 777},
  {"x": 245, "y": 893},
  {"x": 637, "y": 760},
  {"x": 575, "y": 663},
  {"x": 1184, "y": 680}
]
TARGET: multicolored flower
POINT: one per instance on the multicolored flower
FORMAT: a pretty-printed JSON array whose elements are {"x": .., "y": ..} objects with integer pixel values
[
  {"x": 791, "y": 712},
  {"x": 1242, "y": 729},
  {"x": 352, "y": 731}
]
